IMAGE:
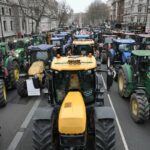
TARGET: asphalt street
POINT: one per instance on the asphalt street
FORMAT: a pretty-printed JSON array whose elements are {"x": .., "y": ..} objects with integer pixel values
[{"x": 16, "y": 122}]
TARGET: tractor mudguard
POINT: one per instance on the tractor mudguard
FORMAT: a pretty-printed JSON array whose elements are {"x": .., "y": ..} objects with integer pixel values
[
  {"x": 104, "y": 113},
  {"x": 43, "y": 113}
]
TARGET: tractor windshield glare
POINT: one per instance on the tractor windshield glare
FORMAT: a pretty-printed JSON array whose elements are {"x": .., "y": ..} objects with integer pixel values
[
  {"x": 74, "y": 81},
  {"x": 38, "y": 55},
  {"x": 126, "y": 47}
]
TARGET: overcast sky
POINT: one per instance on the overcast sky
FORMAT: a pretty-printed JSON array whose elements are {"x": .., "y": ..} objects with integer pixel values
[{"x": 79, "y": 5}]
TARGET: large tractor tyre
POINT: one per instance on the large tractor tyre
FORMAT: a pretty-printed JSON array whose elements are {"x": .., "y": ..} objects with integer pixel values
[
  {"x": 42, "y": 135},
  {"x": 139, "y": 108},
  {"x": 105, "y": 134},
  {"x": 14, "y": 74},
  {"x": 103, "y": 58},
  {"x": 122, "y": 83},
  {"x": 22, "y": 87},
  {"x": 3, "y": 95}
]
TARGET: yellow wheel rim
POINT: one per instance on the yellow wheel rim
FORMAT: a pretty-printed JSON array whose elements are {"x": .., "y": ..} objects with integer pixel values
[
  {"x": 135, "y": 107},
  {"x": 120, "y": 82},
  {"x": 4, "y": 92},
  {"x": 16, "y": 74}
]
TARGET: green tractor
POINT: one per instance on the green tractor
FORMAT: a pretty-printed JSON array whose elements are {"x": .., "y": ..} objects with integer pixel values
[
  {"x": 77, "y": 115},
  {"x": 134, "y": 83},
  {"x": 20, "y": 47},
  {"x": 9, "y": 72},
  {"x": 38, "y": 60}
]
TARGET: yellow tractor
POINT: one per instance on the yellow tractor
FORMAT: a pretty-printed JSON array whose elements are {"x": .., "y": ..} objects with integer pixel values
[
  {"x": 77, "y": 115},
  {"x": 38, "y": 61}
]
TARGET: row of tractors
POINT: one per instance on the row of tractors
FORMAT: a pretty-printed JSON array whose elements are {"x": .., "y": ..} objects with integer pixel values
[
  {"x": 130, "y": 56},
  {"x": 68, "y": 73}
]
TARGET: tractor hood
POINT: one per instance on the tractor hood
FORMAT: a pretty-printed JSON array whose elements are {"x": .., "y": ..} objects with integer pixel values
[
  {"x": 72, "y": 115},
  {"x": 36, "y": 68},
  {"x": 18, "y": 50}
]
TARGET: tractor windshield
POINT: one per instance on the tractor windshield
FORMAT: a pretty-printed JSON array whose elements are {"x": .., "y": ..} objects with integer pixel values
[
  {"x": 83, "y": 49},
  {"x": 19, "y": 44},
  {"x": 126, "y": 47},
  {"x": 38, "y": 55},
  {"x": 82, "y": 81},
  {"x": 56, "y": 43}
]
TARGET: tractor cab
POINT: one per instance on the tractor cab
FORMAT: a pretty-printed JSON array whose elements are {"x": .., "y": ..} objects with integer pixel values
[
  {"x": 43, "y": 52},
  {"x": 83, "y": 46},
  {"x": 120, "y": 52},
  {"x": 38, "y": 39},
  {"x": 70, "y": 74},
  {"x": 143, "y": 41}
]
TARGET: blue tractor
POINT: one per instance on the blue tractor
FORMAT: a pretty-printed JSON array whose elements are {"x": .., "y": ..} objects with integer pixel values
[{"x": 120, "y": 52}]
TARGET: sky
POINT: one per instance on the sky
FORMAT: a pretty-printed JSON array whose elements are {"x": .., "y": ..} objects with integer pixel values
[{"x": 80, "y": 5}]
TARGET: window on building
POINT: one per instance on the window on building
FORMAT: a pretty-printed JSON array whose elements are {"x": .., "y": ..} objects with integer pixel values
[
  {"x": 3, "y": 11},
  {"x": 10, "y": 11},
  {"x": 11, "y": 25},
  {"x": 139, "y": 8},
  {"x": 138, "y": 20},
  {"x": 5, "y": 25}
]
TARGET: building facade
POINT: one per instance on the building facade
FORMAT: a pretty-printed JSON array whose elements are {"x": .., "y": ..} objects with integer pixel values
[
  {"x": 135, "y": 14},
  {"x": 13, "y": 23}
]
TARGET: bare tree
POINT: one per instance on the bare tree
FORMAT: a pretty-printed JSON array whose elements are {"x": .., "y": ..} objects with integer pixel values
[
  {"x": 36, "y": 9},
  {"x": 97, "y": 12},
  {"x": 64, "y": 12}
]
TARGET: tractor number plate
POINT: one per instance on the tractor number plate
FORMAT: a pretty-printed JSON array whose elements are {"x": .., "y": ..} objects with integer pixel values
[{"x": 31, "y": 89}]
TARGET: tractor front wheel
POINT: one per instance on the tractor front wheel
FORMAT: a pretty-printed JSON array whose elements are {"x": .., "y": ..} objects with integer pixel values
[
  {"x": 3, "y": 95},
  {"x": 122, "y": 83},
  {"x": 139, "y": 108},
  {"x": 22, "y": 87},
  {"x": 42, "y": 135},
  {"x": 104, "y": 134}
]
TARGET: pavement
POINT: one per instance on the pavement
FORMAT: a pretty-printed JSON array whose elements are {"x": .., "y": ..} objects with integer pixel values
[{"x": 16, "y": 122}]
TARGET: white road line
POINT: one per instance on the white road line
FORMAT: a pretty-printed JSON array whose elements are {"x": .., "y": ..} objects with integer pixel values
[
  {"x": 117, "y": 120},
  {"x": 13, "y": 145}
]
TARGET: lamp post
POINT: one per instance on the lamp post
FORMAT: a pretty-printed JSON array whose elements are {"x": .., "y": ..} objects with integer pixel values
[{"x": 3, "y": 39}]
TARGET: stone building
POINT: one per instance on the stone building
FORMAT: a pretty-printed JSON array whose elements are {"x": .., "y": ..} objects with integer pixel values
[{"x": 14, "y": 23}]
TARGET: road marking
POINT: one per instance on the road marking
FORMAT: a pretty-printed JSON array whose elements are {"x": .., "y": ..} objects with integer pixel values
[
  {"x": 117, "y": 120},
  {"x": 13, "y": 145}
]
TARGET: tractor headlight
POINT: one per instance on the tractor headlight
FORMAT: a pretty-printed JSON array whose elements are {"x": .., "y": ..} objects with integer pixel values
[{"x": 17, "y": 55}]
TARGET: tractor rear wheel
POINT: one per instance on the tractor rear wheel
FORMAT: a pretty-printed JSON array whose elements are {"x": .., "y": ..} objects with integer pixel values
[
  {"x": 122, "y": 83},
  {"x": 139, "y": 108},
  {"x": 3, "y": 96},
  {"x": 22, "y": 87},
  {"x": 14, "y": 74},
  {"x": 43, "y": 135},
  {"x": 104, "y": 134}
]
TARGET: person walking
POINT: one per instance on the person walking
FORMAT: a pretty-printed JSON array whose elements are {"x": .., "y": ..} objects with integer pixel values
[{"x": 111, "y": 74}]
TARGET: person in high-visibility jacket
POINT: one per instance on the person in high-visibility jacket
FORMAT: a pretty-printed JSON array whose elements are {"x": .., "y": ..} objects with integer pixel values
[{"x": 48, "y": 38}]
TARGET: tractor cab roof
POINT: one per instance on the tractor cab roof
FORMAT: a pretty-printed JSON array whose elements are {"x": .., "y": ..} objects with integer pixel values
[
  {"x": 109, "y": 35},
  {"x": 83, "y": 42},
  {"x": 65, "y": 33},
  {"x": 124, "y": 41},
  {"x": 60, "y": 35},
  {"x": 82, "y": 36},
  {"x": 141, "y": 53},
  {"x": 73, "y": 63},
  {"x": 144, "y": 35},
  {"x": 42, "y": 47},
  {"x": 57, "y": 38}
]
